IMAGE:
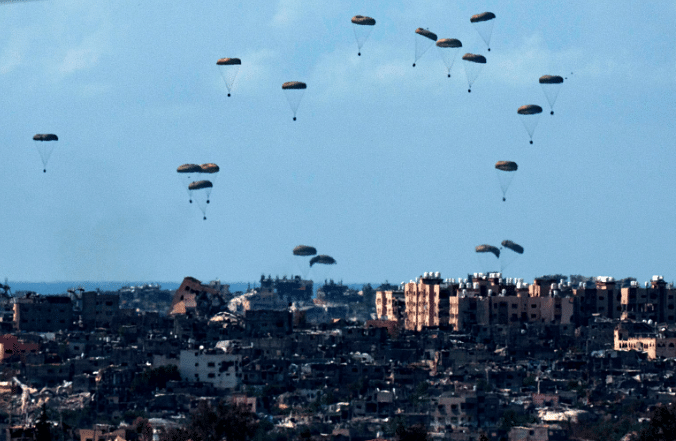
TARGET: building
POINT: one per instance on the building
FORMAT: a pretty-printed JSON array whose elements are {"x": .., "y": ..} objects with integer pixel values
[
  {"x": 290, "y": 290},
  {"x": 539, "y": 432},
  {"x": 268, "y": 322},
  {"x": 391, "y": 305},
  {"x": 427, "y": 302},
  {"x": 99, "y": 310},
  {"x": 36, "y": 313},
  {"x": 643, "y": 337},
  {"x": 11, "y": 346},
  {"x": 213, "y": 366},
  {"x": 481, "y": 300},
  {"x": 656, "y": 301},
  {"x": 194, "y": 297}
]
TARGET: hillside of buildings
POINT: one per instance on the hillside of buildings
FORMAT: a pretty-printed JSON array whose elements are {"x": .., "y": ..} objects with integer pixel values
[{"x": 482, "y": 357}]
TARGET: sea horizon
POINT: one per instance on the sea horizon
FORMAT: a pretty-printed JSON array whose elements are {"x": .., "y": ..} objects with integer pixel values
[{"x": 61, "y": 287}]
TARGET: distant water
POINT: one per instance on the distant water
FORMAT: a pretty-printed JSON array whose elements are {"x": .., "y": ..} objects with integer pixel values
[
  {"x": 49, "y": 288},
  {"x": 62, "y": 287}
]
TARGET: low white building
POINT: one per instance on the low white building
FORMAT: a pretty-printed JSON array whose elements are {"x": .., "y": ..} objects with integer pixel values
[{"x": 212, "y": 366}]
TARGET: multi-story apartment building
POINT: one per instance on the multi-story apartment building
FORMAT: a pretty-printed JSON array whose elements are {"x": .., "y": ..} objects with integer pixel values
[
  {"x": 484, "y": 300},
  {"x": 99, "y": 310},
  {"x": 426, "y": 302},
  {"x": 390, "y": 305},
  {"x": 11, "y": 346},
  {"x": 487, "y": 300},
  {"x": 214, "y": 366},
  {"x": 656, "y": 301},
  {"x": 36, "y": 313}
]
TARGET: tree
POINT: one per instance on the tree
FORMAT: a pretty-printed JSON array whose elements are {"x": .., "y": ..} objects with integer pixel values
[
  {"x": 417, "y": 432},
  {"x": 42, "y": 426},
  {"x": 150, "y": 379},
  {"x": 225, "y": 422},
  {"x": 175, "y": 434},
  {"x": 144, "y": 429},
  {"x": 662, "y": 425}
]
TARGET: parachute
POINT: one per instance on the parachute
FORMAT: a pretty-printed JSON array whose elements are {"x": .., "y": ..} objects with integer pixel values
[
  {"x": 45, "y": 147},
  {"x": 324, "y": 259},
  {"x": 362, "y": 29},
  {"x": 473, "y": 65},
  {"x": 189, "y": 168},
  {"x": 485, "y": 257},
  {"x": 483, "y": 23},
  {"x": 508, "y": 258},
  {"x": 304, "y": 250},
  {"x": 530, "y": 114},
  {"x": 294, "y": 93},
  {"x": 301, "y": 252},
  {"x": 505, "y": 171},
  {"x": 488, "y": 249},
  {"x": 448, "y": 48},
  {"x": 188, "y": 173},
  {"x": 211, "y": 169},
  {"x": 550, "y": 86},
  {"x": 201, "y": 190},
  {"x": 512, "y": 246},
  {"x": 229, "y": 68},
  {"x": 423, "y": 41}
]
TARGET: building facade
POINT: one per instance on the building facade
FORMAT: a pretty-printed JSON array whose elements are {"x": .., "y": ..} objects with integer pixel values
[
  {"x": 36, "y": 313},
  {"x": 214, "y": 366}
]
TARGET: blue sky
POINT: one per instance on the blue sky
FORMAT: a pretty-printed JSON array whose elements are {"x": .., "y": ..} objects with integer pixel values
[{"x": 389, "y": 168}]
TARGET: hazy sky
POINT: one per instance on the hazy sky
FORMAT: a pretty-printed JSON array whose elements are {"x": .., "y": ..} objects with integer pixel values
[{"x": 389, "y": 168}]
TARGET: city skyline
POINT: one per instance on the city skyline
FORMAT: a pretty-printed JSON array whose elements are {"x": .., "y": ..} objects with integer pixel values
[{"x": 389, "y": 168}]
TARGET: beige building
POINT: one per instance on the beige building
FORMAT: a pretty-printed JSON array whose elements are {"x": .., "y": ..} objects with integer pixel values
[
  {"x": 489, "y": 299},
  {"x": 390, "y": 305},
  {"x": 655, "y": 301},
  {"x": 643, "y": 337},
  {"x": 485, "y": 300},
  {"x": 426, "y": 302}
]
